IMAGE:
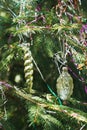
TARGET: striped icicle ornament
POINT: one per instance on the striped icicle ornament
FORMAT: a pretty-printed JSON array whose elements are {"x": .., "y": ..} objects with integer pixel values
[{"x": 28, "y": 67}]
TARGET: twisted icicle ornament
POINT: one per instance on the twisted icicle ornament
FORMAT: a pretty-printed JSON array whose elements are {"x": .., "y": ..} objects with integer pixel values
[
  {"x": 28, "y": 67},
  {"x": 64, "y": 85}
]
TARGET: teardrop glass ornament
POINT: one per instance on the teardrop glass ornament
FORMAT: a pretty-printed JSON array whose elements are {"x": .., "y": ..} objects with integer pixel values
[{"x": 64, "y": 84}]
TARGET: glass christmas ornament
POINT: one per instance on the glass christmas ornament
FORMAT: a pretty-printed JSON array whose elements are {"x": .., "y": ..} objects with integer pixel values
[
  {"x": 28, "y": 66},
  {"x": 64, "y": 84}
]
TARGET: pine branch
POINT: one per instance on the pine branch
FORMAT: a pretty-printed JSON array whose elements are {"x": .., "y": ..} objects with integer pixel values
[
  {"x": 75, "y": 114},
  {"x": 33, "y": 28},
  {"x": 75, "y": 102},
  {"x": 38, "y": 115}
]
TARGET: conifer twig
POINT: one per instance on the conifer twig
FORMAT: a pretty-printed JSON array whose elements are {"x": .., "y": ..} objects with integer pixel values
[
  {"x": 75, "y": 114},
  {"x": 75, "y": 102}
]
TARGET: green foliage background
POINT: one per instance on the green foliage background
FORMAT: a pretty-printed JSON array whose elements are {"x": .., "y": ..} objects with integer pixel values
[{"x": 41, "y": 23}]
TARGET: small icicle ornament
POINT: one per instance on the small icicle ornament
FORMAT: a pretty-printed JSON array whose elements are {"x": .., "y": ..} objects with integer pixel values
[
  {"x": 64, "y": 85},
  {"x": 28, "y": 67}
]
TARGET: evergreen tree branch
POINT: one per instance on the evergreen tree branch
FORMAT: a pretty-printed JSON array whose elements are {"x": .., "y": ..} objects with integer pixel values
[
  {"x": 75, "y": 102},
  {"x": 38, "y": 115},
  {"x": 75, "y": 114}
]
